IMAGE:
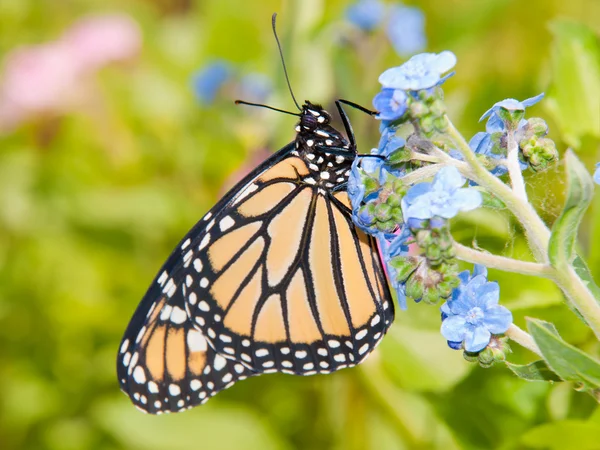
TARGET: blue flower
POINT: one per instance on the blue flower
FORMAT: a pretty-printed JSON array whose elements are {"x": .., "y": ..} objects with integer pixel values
[
  {"x": 406, "y": 30},
  {"x": 511, "y": 104},
  {"x": 393, "y": 245},
  {"x": 444, "y": 197},
  {"x": 208, "y": 80},
  {"x": 391, "y": 104},
  {"x": 597, "y": 174},
  {"x": 356, "y": 187},
  {"x": 422, "y": 71},
  {"x": 255, "y": 87},
  {"x": 473, "y": 314},
  {"x": 366, "y": 14}
]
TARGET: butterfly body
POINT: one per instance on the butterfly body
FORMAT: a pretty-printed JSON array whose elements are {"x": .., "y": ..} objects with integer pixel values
[{"x": 274, "y": 278}]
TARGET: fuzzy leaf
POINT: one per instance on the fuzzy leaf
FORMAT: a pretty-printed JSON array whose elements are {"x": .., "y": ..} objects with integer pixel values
[
  {"x": 569, "y": 363},
  {"x": 535, "y": 371},
  {"x": 564, "y": 232},
  {"x": 574, "y": 94}
]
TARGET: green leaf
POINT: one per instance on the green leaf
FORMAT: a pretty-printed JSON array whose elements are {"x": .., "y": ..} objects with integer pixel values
[
  {"x": 574, "y": 94},
  {"x": 536, "y": 371},
  {"x": 579, "y": 196},
  {"x": 584, "y": 273},
  {"x": 570, "y": 363},
  {"x": 563, "y": 435}
]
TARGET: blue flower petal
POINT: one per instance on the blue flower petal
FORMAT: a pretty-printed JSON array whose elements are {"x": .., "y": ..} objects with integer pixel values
[
  {"x": 488, "y": 295},
  {"x": 420, "y": 72},
  {"x": 467, "y": 199},
  {"x": 477, "y": 339},
  {"x": 533, "y": 100},
  {"x": 366, "y": 14},
  {"x": 453, "y": 328},
  {"x": 479, "y": 269},
  {"x": 391, "y": 104},
  {"x": 406, "y": 30},
  {"x": 448, "y": 179},
  {"x": 597, "y": 174},
  {"x": 497, "y": 319},
  {"x": 207, "y": 81}
]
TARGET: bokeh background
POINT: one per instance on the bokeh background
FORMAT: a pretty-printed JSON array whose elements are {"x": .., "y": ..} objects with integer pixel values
[{"x": 118, "y": 131}]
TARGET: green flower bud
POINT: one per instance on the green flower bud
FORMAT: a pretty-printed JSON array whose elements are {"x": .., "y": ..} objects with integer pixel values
[
  {"x": 418, "y": 109},
  {"x": 397, "y": 214},
  {"x": 394, "y": 199},
  {"x": 427, "y": 124},
  {"x": 383, "y": 212},
  {"x": 398, "y": 156},
  {"x": 414, "y": 288},
  {"x": 371, "y": 185},
  {"x": 537, "y": 126},
  {"x": 404, "y": 267}
]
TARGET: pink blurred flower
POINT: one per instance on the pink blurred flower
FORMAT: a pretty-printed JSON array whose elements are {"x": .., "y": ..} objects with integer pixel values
[
  {"x": 36, "y": 79},
  {"x": 46, "y": 78},
  {"x": 96, "y": 41}
]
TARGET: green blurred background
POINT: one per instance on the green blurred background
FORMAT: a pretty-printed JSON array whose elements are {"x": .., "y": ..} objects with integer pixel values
[{"x": 94, "y": 197}]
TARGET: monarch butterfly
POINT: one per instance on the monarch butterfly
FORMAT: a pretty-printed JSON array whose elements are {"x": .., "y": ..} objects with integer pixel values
[{"x": 274, "y": 278}]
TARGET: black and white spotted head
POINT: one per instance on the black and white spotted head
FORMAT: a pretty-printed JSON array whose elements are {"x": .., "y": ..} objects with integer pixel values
[{"x": 326, "y": 151}]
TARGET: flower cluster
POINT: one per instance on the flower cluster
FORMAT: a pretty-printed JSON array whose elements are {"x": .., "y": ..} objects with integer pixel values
[
  {"x": 404, "y": 25},
  {"x": 411, "y": 218},
  {"x": 408, "y": 91},
  {"x": 48, "y": 78},
  {"x": 208, "y": 81},
  {"x": 508, "y": 117}
]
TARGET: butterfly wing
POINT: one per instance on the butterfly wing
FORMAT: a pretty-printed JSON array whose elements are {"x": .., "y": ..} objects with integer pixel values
[
  {"x": 165, "y": 364},
  {"x": 278, "y": 277}
]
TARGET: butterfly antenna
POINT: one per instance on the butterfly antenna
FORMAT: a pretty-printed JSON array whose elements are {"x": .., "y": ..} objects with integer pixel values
[
  {"x": 260, "y": 105},
  {"x": 287, "y": 78},
  {"x": 357, "y": 106}
]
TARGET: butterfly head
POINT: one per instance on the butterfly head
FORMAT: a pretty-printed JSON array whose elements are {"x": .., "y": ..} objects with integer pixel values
[
  {"x": 315, "y": 132},
  {"x": 313, "y": 116}
]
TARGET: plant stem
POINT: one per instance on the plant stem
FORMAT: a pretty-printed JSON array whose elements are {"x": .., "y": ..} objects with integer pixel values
[
  {"x": 421, "y": 174},
  {"x": 501, "y": 262},
  {"x": 536, "y": 230},
  {"x": 579, "y": 296},
  {"x": 522, "y": 338},
  {"x": 514, "y": 169}
]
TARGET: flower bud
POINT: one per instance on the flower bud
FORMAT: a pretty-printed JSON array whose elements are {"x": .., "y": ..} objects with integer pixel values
[
  {"x": 383, "y": 212},
  {"x": 537, "y": 127}
]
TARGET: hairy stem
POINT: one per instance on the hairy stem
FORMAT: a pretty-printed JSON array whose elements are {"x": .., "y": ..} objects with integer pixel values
[
  {"x": 492, "y": 261},
  {"x": 579, "y": 295},
  {"x": 422, "y": 174},
  {"x": 522, "y": 338},
  {"x": 514, "y": 169},
  {"x": 536, "y": 230}
]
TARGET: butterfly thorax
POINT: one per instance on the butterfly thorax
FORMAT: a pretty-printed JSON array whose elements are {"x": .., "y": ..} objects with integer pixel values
[{"x": 315, "y": 136}]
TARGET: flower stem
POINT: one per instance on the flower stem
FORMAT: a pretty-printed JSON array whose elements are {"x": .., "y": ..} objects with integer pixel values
[
  {"x": 421, "y": 174},
  {"x": 536, "y": 230},
  {"x": 579, "y": 296},
  {"x": 492, "y": 261},
  {"x": 514, "y": 169},
  {"x": 522, "y": 338}
]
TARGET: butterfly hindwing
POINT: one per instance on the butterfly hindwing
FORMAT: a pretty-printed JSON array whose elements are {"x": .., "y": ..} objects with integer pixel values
[{"x": 166, "y": 365}]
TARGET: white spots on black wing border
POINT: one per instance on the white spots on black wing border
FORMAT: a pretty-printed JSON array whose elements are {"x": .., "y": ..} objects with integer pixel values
[{"x": 175, "y": 395}]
